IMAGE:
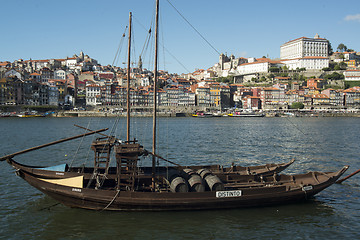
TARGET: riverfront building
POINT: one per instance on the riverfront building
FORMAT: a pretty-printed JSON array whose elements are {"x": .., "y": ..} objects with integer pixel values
[
  {"x": 305, "y": 47},
  {"x": 308, "y": 53}
]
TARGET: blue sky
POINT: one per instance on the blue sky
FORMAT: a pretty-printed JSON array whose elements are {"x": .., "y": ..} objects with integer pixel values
[{"x": 40, "y": 29}]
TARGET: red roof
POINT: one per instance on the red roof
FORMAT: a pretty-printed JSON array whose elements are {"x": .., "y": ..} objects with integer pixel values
[
  {"x": 303, "y": 38},
  {"x": 320, "y": 96}
]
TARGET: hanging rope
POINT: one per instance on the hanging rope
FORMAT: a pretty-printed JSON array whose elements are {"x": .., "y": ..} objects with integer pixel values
[
  {"x": 117, "y": 193},
  {"x": 317, "y": 143},
  {"x": 117, "y": 54},
  {"x": 147, "y": 40},
  {"x": 103, "y": 177},
  {"x": 146, "y": 47},
  {"x": 77, "y": 151},
  {"x": 194, "y": 29}
]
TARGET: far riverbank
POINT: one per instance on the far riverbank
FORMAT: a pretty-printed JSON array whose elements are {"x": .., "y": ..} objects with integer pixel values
[{"x": 188, "y": 114}]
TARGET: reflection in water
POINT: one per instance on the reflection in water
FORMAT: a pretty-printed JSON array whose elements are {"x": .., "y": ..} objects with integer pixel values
[{"x": 178, "y": 225}]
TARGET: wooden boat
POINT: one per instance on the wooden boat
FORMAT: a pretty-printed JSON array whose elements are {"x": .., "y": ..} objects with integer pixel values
[
  {"x": 131, "y": 188},
  {"x": 202, "y": 114},
  {"x": 246, "y": 114},
  {"x": 30, "y": 115},
  {"x": 244, "y": 191}
]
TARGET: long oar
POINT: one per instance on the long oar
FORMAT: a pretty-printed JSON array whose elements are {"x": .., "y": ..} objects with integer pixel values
[
  {"x": 343, "y": 179},
  {"x": 155, "y": 155},
  {"x": 91, "y": 130},
  {"x": 51, "y": 143}
]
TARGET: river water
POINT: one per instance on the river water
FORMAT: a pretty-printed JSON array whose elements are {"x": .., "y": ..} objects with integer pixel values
[{"x": 323, "y": 144}]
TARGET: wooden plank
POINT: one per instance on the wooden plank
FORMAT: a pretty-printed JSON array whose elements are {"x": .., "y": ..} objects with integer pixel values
[
  {"x": 354, "y": 173},
  {"x": 49, "y": 144}
]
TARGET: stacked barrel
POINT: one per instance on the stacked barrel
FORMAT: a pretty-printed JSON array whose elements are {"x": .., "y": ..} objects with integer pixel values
[{"x": 189, "y": 180}]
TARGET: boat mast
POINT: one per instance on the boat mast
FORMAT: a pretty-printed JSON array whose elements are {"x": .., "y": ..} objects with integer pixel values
[
  {"x": 155, "y": 90},
  {"x": 128, "y": 86}
]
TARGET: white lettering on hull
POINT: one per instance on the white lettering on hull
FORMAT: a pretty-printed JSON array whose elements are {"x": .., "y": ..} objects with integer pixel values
[
  {"x": 308, "y": 188},
  {"x": 223, "y": 194},
  {"x": 76, "y": 189}
]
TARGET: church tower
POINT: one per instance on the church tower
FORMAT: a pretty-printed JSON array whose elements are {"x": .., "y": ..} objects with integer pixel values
[{"x": 140, "y": 63}]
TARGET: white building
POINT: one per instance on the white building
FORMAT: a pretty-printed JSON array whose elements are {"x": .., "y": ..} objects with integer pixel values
[
  {"x": 92, "y": 93},
  {"x": 344, "y": 56},
  {"x": 352, "y": 75},
  {"x": 309, "y": 53},
  {"x": 145, "y": 81},
  {"x": 71, "y": 62},
  {"x": 261, "y": 65},
  {"x": 305, "y": 47},
  {"x": 13, "y": 73},
  {"x": 316, "y": 63},
  {"x": 60, "y": 74}
]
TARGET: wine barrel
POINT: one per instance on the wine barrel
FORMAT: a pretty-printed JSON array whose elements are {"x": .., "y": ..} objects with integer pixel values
[
  {"x": 214, "y": 183},
  {"x": 179, "y": 184},
  {"x": 203, "y": 172},
  {"x": 196, "y": 183}
]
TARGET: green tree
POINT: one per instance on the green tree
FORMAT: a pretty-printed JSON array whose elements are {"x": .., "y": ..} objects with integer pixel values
[
  {"x": 332, "y": 65},
  {"x": 224, "y": 79},
  {"x": 271, "y": 76},
  {"x": 341, "y": 56},
  {"x": 334, "y": 76},
  {"x": 274, "y": 69},
  {"x": 297, "y": 105},
  {"x": 341, "y": 47},
  {"x": 343, "y": 66},
  {"x": 330, "y": 50}
]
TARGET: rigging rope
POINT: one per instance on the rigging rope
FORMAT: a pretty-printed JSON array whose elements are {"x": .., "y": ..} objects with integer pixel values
[
  {"x": 117, "y": 54},
  {"x": 194, "y": 28},
  {"x": 317, "y": 143},
  {"x": 117, "y": 193},
  {"x": 133, "y": 53},
  {"x": 146, "y": 47},
  {"x": 103, "y": 177},
  {"x": 146, "y": 43},
  {"x": 163, "y": 45},
  {"x": 77, "y": 151}
]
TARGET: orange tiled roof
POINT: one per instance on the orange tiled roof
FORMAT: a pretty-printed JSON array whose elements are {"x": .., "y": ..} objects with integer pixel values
[
  {"x": 302, "y": 38},
  {"x": 270, "y": 89},
  {"x": 321, "y": 96}
]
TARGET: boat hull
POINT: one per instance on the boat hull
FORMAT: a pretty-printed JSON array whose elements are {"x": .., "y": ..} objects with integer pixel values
[{"x": 239, "y": 197}]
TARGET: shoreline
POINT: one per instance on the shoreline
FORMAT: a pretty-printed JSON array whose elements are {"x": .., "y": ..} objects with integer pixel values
[
  {"x": 81, "y": 113},
  {"x": 173, "y": 114}
]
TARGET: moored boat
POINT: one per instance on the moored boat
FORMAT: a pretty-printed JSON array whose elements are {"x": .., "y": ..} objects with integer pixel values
[
  {"x": 246, "y": 114},
  {"x": 29, "y": 115},
  {"x": 202, "y": 114},
  {"x": 246, "y": 191},
  {"x": 129, "y": 187}
]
